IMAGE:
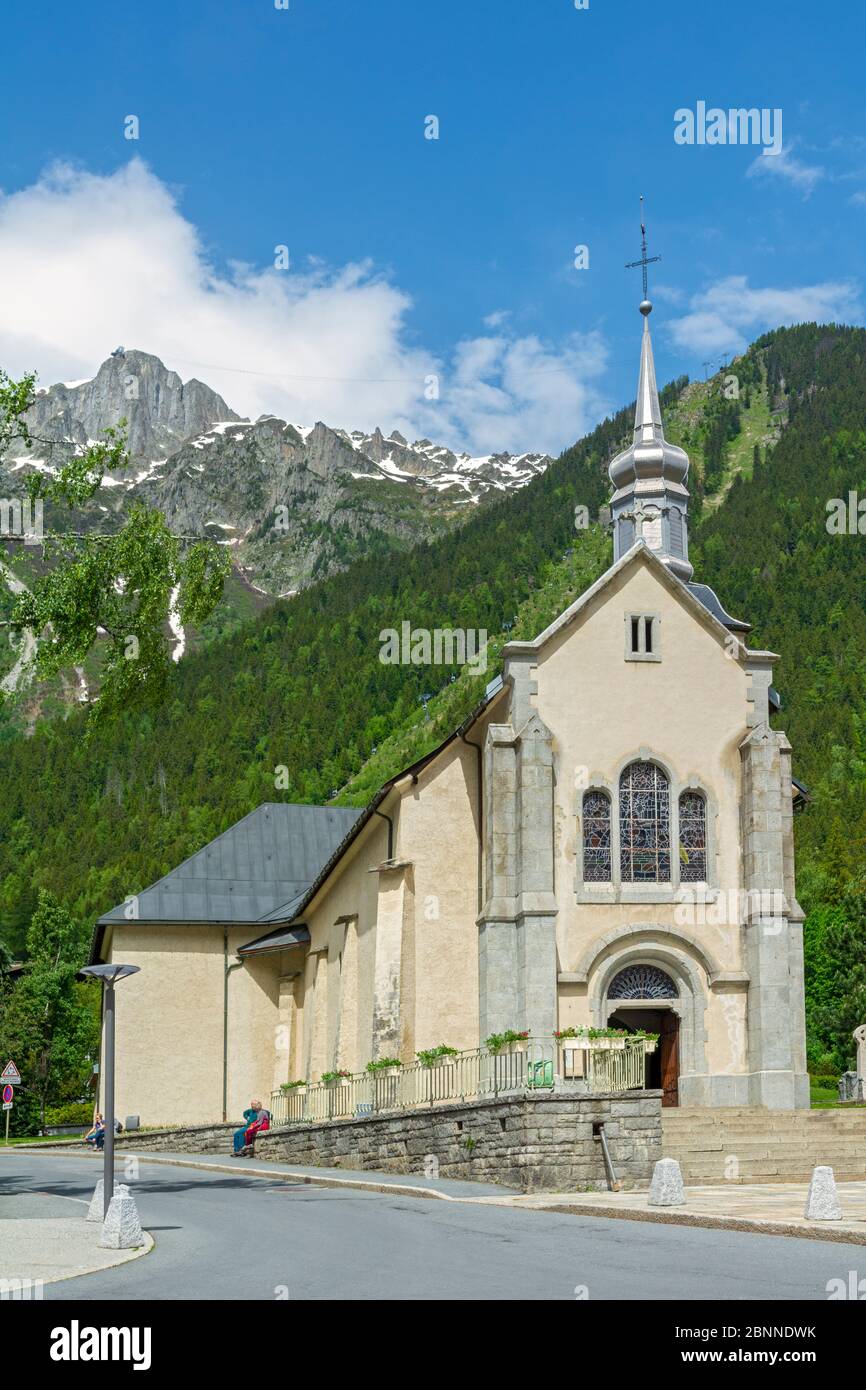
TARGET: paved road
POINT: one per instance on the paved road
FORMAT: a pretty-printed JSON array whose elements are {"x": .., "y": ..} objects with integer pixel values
[{"x": 221, "y": 1236}]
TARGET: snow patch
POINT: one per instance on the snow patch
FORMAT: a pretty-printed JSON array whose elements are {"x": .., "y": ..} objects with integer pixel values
[
  {"x": 175, "y": 624},
  {"x": 222, "y": 425}
]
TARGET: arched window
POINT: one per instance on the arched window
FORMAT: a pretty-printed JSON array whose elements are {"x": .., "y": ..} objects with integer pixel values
[
  {"x": 596, "y": 837},
  {"x": 642, "y": 982},
  {"x": 693, "y": 838},
  {"x": 644, "y": 825}
]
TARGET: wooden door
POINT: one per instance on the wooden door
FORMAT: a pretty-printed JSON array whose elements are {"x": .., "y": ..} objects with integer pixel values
[{"x": 669, "y": 1057}]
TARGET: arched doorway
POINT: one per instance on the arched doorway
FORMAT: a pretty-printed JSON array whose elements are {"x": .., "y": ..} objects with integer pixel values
[{"x": 642, "y": 996}]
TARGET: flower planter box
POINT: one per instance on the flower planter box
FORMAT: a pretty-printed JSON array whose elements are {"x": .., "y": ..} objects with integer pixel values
[
  {"x": 601, "y": 1044},
  {"x": 512, "y": 1049}
]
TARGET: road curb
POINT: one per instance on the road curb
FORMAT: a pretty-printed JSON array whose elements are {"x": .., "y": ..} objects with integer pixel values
[
  {"x": 554, "y": 1204},
  {"x": 10, "y": 1266},
  {"x": 287, "y": 1175},
  {"x": 404, "y": 1189},
  {"x": 666, "y": 1217}
]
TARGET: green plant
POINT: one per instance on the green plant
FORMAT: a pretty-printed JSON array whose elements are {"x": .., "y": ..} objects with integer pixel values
[
  {"x": 498, "y": 1040},
  {"x": 469, "y": 1144},
  {"x": 383, "y": 1064},
  {"x": 598, "y": 1033},
  {"x": 427, "y": 1056},
  {"x": 73, "y": 1114},
  {"x": 339, "y": 1075},
  {"x": 287, "y": 1086}
]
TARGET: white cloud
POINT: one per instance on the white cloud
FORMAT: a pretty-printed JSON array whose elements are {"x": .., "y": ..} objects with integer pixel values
[
  {"x": 668, "y": 294},
  {"x": 90, "y": 261},
  {"x": 512, "y": 389},
  {"x": 786, "y": 166},
  {"x": 726, "y": 316},
  {"x": 496, "y": 319}
]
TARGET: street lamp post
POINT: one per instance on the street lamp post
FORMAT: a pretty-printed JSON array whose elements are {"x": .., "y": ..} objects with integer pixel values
[{"x": 108, "y": 974}]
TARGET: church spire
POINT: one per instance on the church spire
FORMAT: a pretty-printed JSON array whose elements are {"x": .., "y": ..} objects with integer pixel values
[
  {"x": 647, "y": 415},
  {"x": 650, "y": 500}
]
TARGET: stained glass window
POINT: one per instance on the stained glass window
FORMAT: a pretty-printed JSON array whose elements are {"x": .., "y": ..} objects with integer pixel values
[
  {"x": 693, "y": 838},
  {"x": 642, "y": 982},
  {"x": 596, "y": 837},
  {"x": 644, "y": 825}
]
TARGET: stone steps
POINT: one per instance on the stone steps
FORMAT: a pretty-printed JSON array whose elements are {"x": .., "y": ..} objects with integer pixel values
[
  {"x": 766, "y": 1149},
  {"x": 768, "y": 1145}
]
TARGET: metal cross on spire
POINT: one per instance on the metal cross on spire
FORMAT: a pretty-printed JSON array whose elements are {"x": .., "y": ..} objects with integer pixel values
[{"x": 645, "y": 260}]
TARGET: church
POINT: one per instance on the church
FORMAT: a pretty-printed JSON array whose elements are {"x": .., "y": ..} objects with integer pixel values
[{"x": 607, "y": 840}]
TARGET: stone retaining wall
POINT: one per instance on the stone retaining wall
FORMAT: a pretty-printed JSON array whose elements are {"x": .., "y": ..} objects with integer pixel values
[{"x": 525, "y": 1142}]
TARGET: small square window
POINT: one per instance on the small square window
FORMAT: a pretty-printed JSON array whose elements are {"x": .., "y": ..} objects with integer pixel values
[{"x": 642, "y": 637}]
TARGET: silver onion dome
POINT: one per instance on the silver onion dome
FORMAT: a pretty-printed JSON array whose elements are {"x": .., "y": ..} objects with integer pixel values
[
  {"x": 650, "y": 500},
  {"x": 649, "y": 455}
]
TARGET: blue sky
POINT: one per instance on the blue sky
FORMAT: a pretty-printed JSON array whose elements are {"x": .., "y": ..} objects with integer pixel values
[{"x": 413, "y": 258}]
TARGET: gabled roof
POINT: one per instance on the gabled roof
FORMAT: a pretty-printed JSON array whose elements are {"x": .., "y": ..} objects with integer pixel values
[
  {"x": 257, "y": 868},
  {"x": 638, "y": 553}
]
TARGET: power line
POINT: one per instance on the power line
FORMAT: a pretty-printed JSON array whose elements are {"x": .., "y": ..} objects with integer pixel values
[{"x": 361, "y": 380}]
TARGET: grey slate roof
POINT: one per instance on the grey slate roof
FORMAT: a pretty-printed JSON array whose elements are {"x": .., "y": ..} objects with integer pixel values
[
  {"x": 252, "y": 873},
  {"x": 710, "y": 599},
  {"x": 279, "y": 940}
]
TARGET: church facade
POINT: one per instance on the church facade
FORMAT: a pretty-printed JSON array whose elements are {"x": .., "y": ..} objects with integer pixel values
[{"x": 607, "y": 840}]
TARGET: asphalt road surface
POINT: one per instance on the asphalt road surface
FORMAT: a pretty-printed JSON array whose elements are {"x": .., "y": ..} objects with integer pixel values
[{"x": 221, "y": 1236}]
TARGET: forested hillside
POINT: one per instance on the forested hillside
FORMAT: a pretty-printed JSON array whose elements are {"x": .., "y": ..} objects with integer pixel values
[{"x": 301, "y": 686}]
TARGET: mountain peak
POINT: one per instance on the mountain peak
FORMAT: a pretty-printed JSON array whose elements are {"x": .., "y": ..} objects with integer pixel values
[{"x": 161, "y": 410}]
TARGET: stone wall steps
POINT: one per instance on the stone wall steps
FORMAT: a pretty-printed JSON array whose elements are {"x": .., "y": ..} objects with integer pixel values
[
  {"x": 843, "y": 1148},
  {"x": 830, "y": 1126},
  {"x": 783, "y": 1131},
  {"x": 701, "y": 1178},
  {"x": 769, "y": 1146}
]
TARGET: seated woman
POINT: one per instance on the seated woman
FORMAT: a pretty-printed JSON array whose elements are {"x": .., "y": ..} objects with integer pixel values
[
  {"x": 261, "y": 1122},
  {"x": 239, "y": 1138},
  {"x": 96, "y": 1134}
]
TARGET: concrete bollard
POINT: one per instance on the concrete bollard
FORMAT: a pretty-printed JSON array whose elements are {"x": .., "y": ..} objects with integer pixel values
[
  {"x": 121, "y": 1229},
  {"x": 95, "y": 1210},
  {"x": 666, "y": 1188},
  {"x": 822, "y": 1204}
]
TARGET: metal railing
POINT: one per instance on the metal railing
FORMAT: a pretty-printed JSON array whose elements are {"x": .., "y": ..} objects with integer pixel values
[
  {"x": 620, "y": 1068},
  {"x": 536, "y": 1066}
]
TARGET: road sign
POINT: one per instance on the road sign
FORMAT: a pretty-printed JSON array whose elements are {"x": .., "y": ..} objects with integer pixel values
[
  {"x": 8, "y": 1095},
  {"x": 11, "y": 1074},
  {"x": 7, "y": 1105}
]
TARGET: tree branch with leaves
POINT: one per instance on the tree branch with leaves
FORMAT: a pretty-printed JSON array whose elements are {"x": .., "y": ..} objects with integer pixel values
[{"x": 121, "y": 587}]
